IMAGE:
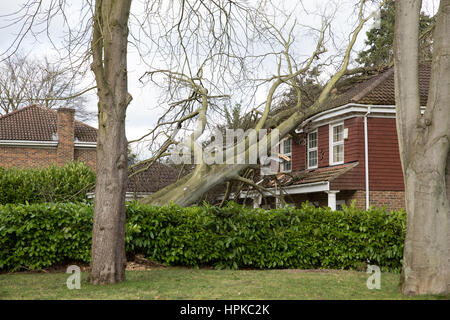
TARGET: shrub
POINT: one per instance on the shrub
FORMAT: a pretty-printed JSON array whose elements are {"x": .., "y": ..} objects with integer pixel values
[
  {"x": 52, "y": 184},
  {"x": 37, "y": 236}
]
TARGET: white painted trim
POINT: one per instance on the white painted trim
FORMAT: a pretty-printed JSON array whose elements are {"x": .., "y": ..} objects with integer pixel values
[
  {"x": 366, "y": 157},
  {"x": 351, "y": 110},
  {"x": 308, "y": 150},
  {"x": 286, "y": 154},
  {"x": 82, "y": 144},
  {"x": 26, "y": 143},
  {"x": 42, "y": 144},
  {"x": 332, "y": 144},
  {"x": 128, "y": 195},
  {"x": 332, "y": 199},
  {"x": 321, "y": 186}
]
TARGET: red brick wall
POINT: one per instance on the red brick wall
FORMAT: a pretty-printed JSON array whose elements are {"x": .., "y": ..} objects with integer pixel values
[
  {"x": 35, "y": 157},
  {"x": 393, "y": 200},
  {"x": 88, "y": 156},
  {"x": 66, "y": 135},
  {"x": 26, "y": 157},
  {"x": 29, "y": 157}
]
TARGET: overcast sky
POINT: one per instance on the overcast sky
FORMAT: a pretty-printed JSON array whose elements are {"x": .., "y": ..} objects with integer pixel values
[{"x": 146, "y": 105}]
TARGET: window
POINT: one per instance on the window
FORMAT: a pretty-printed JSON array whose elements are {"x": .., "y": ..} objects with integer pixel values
[
  {"x": 286, "y": 149},
  {"x": 312, "y": 150},
  {"x": 339, "y": 204},
  {"x": 336, "y": 144}
]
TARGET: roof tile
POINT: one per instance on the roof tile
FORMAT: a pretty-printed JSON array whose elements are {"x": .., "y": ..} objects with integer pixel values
[{"x": 36, "y": 123}]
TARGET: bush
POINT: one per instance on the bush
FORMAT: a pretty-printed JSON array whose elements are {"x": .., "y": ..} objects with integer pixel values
[
  {"x": 37, "y": 236},
  {"x": 52, "y": 184}
]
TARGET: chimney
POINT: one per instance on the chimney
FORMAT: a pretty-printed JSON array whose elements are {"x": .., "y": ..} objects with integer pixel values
[{"x": 66, "y": 135}]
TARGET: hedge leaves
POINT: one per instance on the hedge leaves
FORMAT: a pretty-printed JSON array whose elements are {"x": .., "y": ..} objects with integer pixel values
[{"x": 39, "y": 235}]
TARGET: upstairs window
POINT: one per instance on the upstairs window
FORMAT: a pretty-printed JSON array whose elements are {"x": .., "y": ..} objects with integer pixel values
[
  {"x": 312, "y": 150},
  {"x": 286, "y": 150},
  {"x": 337, "y": 144}
]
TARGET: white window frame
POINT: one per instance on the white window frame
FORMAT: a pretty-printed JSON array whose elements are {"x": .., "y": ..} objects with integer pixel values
[
  {"x": 333, "y": 144},
  {"x": 289, "y": 154},
  {"x": 340, "y": 203},
  {"x": 308, "y": 149}
]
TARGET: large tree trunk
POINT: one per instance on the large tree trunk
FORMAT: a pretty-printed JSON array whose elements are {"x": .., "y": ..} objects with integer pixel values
[
  {"x": 191, "y": 188},
  {"x": 109, "y": 48},
  {"x": 424, "y": 149}
]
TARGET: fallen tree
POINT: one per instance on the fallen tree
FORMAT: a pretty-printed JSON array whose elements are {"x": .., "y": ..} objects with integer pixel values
[{"x": 204, "y": 177}]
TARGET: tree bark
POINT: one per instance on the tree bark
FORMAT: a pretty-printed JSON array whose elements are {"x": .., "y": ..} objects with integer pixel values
[
  {"x": 424, "y": 142},
  {"x": 191, "y": 188},
  {"x": 109, "y": 49}
]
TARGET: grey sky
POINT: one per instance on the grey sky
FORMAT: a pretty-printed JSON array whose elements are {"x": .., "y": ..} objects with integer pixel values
[{"x": 146, "y": 105}]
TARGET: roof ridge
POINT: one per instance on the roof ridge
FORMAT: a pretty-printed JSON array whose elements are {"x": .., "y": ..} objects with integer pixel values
[
  {"x": 21, "y": 109},
  {"x": 84, "y": 124},
  {"x": 381, "y": 78}
]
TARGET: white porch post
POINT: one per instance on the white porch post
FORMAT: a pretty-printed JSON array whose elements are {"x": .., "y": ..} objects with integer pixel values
[{"x": 332, "y": 199}]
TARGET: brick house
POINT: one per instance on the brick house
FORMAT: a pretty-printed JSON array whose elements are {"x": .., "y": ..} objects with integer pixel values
[
  {"x": 348, "y": 152},
  {"x": 35, "y": 136}
]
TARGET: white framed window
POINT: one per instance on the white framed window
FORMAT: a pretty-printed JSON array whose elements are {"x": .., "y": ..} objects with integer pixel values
[
  {"x": 286, "y": 150},
  {"x": 336, "y": 143},
  {"x": 313, "y": 160},
  {"x": 339, "y": 204}
]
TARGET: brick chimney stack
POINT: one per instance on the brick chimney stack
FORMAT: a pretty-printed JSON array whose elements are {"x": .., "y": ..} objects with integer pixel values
[{"x": 66, "y": 135}]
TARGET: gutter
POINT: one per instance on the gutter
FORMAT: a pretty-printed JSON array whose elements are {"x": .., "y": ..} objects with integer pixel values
[
  {"x": 26, "y": 143},
  {"x": 366, "y": 157},
  {"x": 320, "y": 186},
  {"x": 82, "y": 144},
  {"x": 43, "y": 144},
  {"x": 351, "y": 109}
]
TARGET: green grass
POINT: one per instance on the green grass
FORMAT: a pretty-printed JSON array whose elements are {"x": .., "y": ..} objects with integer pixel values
[{"x": 183, "y": 283}]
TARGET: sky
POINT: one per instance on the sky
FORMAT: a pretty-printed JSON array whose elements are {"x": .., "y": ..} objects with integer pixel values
[{"x": 148, "y": 103}]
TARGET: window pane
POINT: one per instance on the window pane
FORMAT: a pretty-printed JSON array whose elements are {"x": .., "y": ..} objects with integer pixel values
[
  {"x": 312, "y": 159},
  {"x": 312, "y": 140},
  {"x": 338, "y": 133},
  {"x": 287, "y": 146},
  {"x": 287, "y": 166},
  {"x": 338, "y": 153}
]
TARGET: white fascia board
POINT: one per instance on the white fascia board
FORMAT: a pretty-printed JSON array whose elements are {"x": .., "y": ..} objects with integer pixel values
[
  {"x": 351, "y": 110},
  {"x": 81, "y": 144},
  {"x": 26, "y": 143},
  {"x": 321, "y": 186},
  {"x": 308, "y": 188},
  {"x": 128, "y": 195}
]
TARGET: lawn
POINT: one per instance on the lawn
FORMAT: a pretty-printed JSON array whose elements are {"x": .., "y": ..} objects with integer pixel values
[{"x": 184, "y": 283}]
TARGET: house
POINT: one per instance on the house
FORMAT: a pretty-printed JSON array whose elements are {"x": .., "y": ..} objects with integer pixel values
[
  {"x": 346, "y": 153},
  {"x": 35, "y": 136}
]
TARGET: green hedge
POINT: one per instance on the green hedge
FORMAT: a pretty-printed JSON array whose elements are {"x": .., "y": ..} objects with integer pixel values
[
  {"x": 52, "y": 184},
  {"x": 39, "y": 235}
]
